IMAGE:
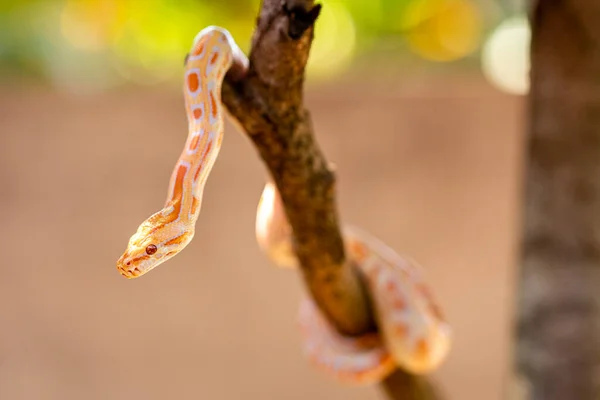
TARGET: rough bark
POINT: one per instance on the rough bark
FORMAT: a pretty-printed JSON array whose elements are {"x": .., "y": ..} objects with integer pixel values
[
  {"x": 558, "y": 323},
  {"x": 268, "y": 104}
]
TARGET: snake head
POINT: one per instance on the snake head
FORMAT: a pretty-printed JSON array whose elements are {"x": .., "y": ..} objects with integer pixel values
[{"x": 154, "y": 243}]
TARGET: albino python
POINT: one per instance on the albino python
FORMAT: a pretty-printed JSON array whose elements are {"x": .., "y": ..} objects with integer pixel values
[{"x": 413, "y": 333}]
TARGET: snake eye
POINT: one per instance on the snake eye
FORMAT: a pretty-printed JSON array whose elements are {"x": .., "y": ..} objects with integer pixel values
[{"x": 151, "y": 249}]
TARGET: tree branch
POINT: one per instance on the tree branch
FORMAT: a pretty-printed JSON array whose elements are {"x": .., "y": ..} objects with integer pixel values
[{"x": 268, "y": 103}]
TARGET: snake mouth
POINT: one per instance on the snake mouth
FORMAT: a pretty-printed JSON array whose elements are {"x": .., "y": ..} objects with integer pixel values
[{"x": 129, "y": 273}]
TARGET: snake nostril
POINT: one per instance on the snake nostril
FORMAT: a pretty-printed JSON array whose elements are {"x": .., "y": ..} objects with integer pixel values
[{"x": 128, "y": 263}]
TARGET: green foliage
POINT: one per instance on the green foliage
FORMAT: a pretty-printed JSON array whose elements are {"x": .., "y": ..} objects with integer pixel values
[{"x": 107, "y": 42}]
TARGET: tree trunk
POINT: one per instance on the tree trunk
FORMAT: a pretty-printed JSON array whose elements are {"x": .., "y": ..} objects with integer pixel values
[{"x": 558, "y": 322}]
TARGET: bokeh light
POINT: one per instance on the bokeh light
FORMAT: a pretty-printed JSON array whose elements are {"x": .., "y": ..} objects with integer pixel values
[
  {"x": 149, "y": 48},
  {"x": 112, "y": 42},
  {"x": 442, "y": 30},
  {"x": 85, "y": 24},
  {"x": 505, "y": 58},
  {"x": 367, "y": 14},
  {"x": 335, "y": 38}
]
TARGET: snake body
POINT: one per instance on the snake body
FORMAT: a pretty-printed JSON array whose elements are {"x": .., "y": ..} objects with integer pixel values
[
  {"x": 413, "y": 333},
  {"x": 170, "y": 230}
]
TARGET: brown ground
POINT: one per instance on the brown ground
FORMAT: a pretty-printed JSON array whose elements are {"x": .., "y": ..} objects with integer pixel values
[{"x": 430, "y": 167}]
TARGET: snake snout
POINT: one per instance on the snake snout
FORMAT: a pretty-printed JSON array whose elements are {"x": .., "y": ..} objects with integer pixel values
[
  {"x": 125, "y": 268},
  {"x": 129, "y": 272}
]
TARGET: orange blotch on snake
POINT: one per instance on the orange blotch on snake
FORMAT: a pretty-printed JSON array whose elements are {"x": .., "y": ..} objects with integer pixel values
[
  {"x": 197, "y": 112},
  {"x": 359, "y": 375},
  {"x": 178, "y": 188},
  {"x": 178, "y": 240},
  {"x": 213, "y": 105},
  {"x": 198, "y": 50},
  {"x": 214, "y": 58},
  {"x": 358, "y": 250},
  {"x": 401, "y": 330},
  {"x": 390, "y": 286},
  {"x": 399, "y": 303},
  {"x": 422, "y": 350},
  {"x": 194, "y": 142},
  {"x": 151, "y": 249},
  {"x": 386, "y": 358},
  {"x": 138, "y": 259},
  {"x": 195, "y": 205},
  {"x": 193, "y": 81}
]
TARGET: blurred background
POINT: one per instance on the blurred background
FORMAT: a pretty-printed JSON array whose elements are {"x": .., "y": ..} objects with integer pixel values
[{"x": 420, "y": 105}]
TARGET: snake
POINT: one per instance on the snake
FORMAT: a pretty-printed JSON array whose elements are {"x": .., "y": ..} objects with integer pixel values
[{"x": 412, "y": 331}]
